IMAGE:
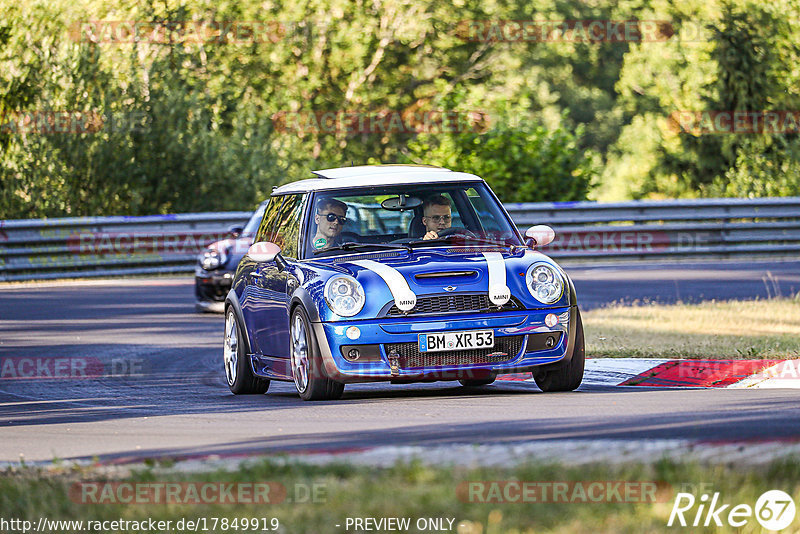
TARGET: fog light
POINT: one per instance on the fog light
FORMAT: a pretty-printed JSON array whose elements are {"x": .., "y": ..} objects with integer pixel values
[
  {"x": 550, "y": 342},
  {"x": 353, "y": 332},
  {"x": 551, "y": 320},
  {"x": 353, "y": 354}
]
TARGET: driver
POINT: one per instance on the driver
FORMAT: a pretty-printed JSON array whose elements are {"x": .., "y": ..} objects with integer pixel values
[
  {"x": 436, "y": 216},
  {"x": 330, "y": 218}
]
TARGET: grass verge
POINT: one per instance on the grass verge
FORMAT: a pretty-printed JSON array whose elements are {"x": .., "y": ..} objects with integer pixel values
[
  {"x": 410, "y": 490},
  {"x": 714, "y": 329}
]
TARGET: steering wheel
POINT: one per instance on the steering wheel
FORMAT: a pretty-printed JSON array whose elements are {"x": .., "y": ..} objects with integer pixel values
[
  {"x": 456, "y": 231},
  {"x": 349, "y": 236}
]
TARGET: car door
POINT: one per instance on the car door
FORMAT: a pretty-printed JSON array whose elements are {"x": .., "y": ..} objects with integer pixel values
[
  {"x": 254, "y": 298},
  {"x": 271, "y": 322}
]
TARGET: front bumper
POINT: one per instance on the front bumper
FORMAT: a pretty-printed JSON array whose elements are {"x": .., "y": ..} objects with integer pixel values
[{"x": 390, "y": 346}]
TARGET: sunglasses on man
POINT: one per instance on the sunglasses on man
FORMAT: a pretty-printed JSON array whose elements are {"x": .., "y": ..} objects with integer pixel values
[{"x": 333, "y": 217}]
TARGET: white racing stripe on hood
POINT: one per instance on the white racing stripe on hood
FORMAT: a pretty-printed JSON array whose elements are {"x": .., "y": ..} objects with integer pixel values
[
  {"x": 404, "y": 298},
  {"x": 499, "y": 293}
]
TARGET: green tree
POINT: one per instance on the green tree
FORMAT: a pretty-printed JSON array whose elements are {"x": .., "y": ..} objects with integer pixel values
[
  {"x": 743, "y": 62},
  {"x": 521, "y": 160}
]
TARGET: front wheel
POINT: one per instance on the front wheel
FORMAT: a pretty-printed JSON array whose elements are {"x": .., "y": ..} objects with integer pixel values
[
  {"x": 570, "y": 375},
  {"x": 307, "y": 371},
  {"x": 240, "y": 377}
]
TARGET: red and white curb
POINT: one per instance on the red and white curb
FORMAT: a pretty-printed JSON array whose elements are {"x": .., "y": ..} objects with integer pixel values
[{"x": 686, "y": 373}]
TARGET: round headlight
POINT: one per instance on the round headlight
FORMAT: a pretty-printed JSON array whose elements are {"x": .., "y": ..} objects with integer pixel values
[
  {"x": 344, "y": 295},
  {"x": 545, "y": 283},
  {"x": 212, "y": 259}
]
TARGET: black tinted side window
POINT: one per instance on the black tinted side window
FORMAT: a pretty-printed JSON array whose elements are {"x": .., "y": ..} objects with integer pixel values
[
  {"x": 267, "y": 226},
  {"x": 288, "y": 230}
]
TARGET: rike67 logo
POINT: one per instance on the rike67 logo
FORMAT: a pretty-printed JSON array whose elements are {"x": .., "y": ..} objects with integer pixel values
[{"x": 774, "y": 510}]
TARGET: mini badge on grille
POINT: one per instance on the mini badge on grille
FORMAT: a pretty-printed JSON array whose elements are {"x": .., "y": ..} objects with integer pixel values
[{"x": 450, "y": 288}]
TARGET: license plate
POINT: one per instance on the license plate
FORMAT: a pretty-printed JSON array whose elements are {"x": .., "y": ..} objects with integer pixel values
[{"x": 483, "y": 339}]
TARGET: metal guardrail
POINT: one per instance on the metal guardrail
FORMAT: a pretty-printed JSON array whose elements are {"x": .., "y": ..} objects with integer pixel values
[
  {"x": 36, "y": 249},
  {"x": 585, "y": 231},
  {"x": 667, "y": 229}
]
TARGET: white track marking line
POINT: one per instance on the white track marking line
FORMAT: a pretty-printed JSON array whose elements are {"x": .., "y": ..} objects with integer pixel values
[{"x": 785, "y": 374}]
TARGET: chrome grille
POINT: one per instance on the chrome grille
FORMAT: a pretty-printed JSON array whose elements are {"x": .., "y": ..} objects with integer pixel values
[
  {"x": 506, "y": 348},
  {"x": 442, "y": 304}
]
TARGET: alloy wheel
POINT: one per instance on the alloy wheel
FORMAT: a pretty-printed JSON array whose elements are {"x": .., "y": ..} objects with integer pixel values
[
  {"x": 300, "y": 354},
  {"x": 231, "y": 348}
]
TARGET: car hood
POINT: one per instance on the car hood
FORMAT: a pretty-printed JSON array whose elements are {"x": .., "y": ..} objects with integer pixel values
[{"x": 389, "y": 277}]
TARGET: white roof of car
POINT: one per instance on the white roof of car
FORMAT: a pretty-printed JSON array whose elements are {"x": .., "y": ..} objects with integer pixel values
[{"x": 370, "y": 175}]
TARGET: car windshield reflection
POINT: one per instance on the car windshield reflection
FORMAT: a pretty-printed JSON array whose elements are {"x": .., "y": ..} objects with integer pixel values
[{"x": 410, "y": 217}]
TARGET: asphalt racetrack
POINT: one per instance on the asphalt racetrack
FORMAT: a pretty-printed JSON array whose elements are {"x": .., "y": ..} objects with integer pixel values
[{"x": 162, "y": 390}]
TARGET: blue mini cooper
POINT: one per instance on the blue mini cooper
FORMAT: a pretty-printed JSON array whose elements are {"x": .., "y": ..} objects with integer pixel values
[{"x": 397, "y": 273}]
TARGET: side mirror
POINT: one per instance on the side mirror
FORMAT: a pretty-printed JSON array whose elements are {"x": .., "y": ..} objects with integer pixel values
[
  {"x": 263, "y": 252},
  {"x": 236, "y": 230},
  {"x": 540, "y": 234}
]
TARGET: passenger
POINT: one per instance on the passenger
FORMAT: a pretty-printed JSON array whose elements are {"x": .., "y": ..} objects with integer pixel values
[{"x": 330, "y": 219}]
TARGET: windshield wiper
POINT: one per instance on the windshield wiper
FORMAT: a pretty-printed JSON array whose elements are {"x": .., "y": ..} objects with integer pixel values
[{"x": 357, "y": 246}]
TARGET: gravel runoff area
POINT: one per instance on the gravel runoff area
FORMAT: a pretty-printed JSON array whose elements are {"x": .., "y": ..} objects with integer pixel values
[{"x": 567, "y": 452}]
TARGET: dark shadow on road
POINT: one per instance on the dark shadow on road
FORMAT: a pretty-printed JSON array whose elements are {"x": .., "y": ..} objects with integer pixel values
[{"x": 761, "y": 421}]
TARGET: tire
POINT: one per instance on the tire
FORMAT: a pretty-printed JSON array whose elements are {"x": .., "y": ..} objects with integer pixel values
[
  {"x": 238, "y": 374},
  {"x": 478, "y": 382},
  {"x": 306, "y": 362},
  {"x": 570, "y": 375}
]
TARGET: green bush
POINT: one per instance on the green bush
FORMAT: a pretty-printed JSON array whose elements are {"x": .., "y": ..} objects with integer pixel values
[{"x": 522, "y": 162}]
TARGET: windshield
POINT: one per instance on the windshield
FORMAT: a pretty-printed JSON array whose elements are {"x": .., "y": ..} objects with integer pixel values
[
  {"x": 252, "y": 225},
  {"x": 407, "y": 216}
]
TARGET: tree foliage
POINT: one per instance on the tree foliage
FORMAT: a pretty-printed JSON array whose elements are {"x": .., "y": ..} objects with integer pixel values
[
  {"x": 744, "y": 60},
  {"x": 188, "y": 125},
  {"x": 522, "y": 162}
]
